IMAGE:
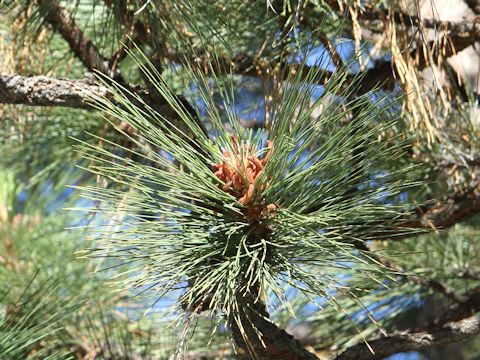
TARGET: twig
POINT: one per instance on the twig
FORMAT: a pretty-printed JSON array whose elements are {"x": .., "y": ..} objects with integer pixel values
[
  {"x": 457, "y": 311},
  {"x": 48, "y": 91},
  {"x": 419, "y": 280},
  {"x": 474, "y": 5},
  {"x": 456, "y": 207},
  {"x": 259, "y": 338},
  {"x": 469, "y": 274},
  {"x": 82, "y": 46},
  {"x": 414, "y": 341}
]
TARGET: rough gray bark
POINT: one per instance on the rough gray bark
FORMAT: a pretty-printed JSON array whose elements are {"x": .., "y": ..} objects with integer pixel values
[
  {"x": 406, "y": 341},
  {"x": 259, "y": 338},
  {"x": 47, "y": 91}
]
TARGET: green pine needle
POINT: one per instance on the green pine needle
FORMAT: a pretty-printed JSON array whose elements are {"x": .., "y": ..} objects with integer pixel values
[{"x": 324, "y": 186}]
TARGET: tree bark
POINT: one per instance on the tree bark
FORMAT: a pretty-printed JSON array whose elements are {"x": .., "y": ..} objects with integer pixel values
[
  {"x": 47, "y": 91},
  {"x": 414, "y": 341},
  {"x": 259, "y": 338},
  {"x": 82, "y": 46}
]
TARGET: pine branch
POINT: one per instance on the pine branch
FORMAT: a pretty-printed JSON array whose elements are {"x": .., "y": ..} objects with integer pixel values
[
  {"x": 414, "y": 341},
  {"x": 135, "y": 29},
  {"x": 461, "y": 34},
  {"x": 48, "y": 91},
  {"x": 442, "y": 214},
  {"x": 458, "y": 311},
  {"x": 464, "y": 30},
  {"x": 248, "y": 65},
  {"x": 82, "y": 46},
  {"x": 87, "y": 52},
  {"x": 457, "y": 322},
  {"x": 433, "y": 284},
  {"x": 474, "y": 5},
  {"x": 453, "y": 209},
  {"x": 469, "y": 274},
  {"x": 261, "y": 338}
]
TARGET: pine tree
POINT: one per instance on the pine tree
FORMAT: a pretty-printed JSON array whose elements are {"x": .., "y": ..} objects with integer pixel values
[{"x": 231, "y": 179}]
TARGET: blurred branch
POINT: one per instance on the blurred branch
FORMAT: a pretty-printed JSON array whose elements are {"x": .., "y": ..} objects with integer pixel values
[
  {"x": 470, "y": 274},
  {"x": 458, "y": 311},
  {"x": 465, "y": 29},
  {"x": 460, "y": 34},
  {"x": 327, "y": 43},
  {"x": 418, "y": 280},
  {"x": 136, "y": 30},
  {"x": 247, "y": 65},
  {"x": 459, "y": 321},
  {"x": 456, "y": 207},
  {"x": 465, "y": 163},
  {"x": 414, "y": 341},
  {"x": 474, "y": 5}
]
